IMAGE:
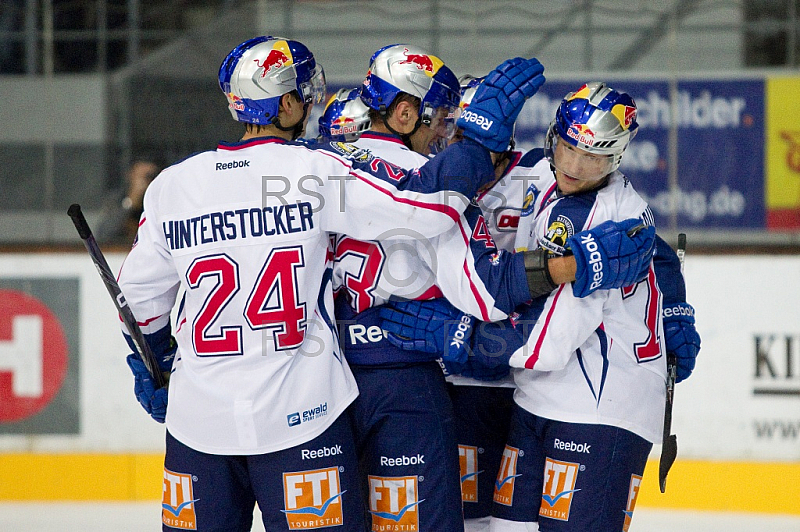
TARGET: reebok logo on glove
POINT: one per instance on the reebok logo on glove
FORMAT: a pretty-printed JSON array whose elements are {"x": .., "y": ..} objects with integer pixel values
[
  {"x": 595, "y": 259},
  {"x": 481, "y": 121},
  {"x": 463, "y": 326},
  {"x": 678, "y": 310}
]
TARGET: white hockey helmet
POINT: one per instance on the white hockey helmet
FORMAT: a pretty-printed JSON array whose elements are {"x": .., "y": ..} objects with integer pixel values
[
  {"x": 596, "y": 119},
  {"x": 259, "y": 71}
]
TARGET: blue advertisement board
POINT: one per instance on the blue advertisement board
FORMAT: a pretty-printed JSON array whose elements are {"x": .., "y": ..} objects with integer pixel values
[{"x": 720, "y": 147}]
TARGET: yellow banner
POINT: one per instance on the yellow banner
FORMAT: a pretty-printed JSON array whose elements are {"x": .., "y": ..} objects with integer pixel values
[{"x": 783, "y": 143}]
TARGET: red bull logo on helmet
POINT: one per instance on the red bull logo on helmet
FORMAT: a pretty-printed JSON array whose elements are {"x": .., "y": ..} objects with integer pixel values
[
  {"x": 279, "y": 56},
  {"x": 625, "y": 114},
  {"x": 582, "y": 133},
  {"x": 430, "y": 64},
  {"x": 234, "y": 102},
  {"x": 343, "y": 120}
]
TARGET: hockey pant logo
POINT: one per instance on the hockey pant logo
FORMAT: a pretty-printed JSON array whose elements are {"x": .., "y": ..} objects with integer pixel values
[
  {"x": 177, "y": 502},
  {"x": 312, "y": 499},
  {"x": 468, "y": 460},
  {"x": 393, "y": 503},
  {"x": 504, "y": 485},
  {"x": 633, "y": 494},
  {"x": 559, "y": 486}
]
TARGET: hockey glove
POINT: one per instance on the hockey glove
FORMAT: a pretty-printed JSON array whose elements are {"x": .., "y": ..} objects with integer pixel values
[
  {"x": 681, "y": 338},
  {"x": 489, "y": 119},
  {"x": 153, "y": 400},
  {"x": 475, "y": 370},
  {"x": 608, "y": 257},
  {"x": 450, "y": 368},
  {"x": 164, "y": 347},
  {"x": 433, "y": 326}
]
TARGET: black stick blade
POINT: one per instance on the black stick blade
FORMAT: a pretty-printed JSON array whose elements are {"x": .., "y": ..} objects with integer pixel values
[{"x": 668, "y": 454}]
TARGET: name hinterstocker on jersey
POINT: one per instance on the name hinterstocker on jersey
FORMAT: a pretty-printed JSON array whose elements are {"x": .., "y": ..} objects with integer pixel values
[{"x": 241, "y": 223}]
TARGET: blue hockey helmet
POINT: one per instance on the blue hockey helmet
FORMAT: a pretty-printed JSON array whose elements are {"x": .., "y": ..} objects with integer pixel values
[
  {"x": 259, "y": 71},
  {"x": 345, "y": 117},
  {"x": 596, "y": 119}
]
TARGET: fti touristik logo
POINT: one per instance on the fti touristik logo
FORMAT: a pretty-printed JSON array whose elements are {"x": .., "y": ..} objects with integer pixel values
[
  {"x": 177, "y": 503},
  {"x": 559, "y": 486},
  {"x": 468, "y": 460},
  {"x": 393, "y": 503},
  {"x": 312, "y": 499},
  {"x": 633, "y": 494},
  {"x": 504, "y": 485}
]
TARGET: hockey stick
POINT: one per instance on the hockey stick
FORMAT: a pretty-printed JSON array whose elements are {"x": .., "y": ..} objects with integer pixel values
[
  {"x": 115, "y": 292},
  {"x": 669, "y": 444}
]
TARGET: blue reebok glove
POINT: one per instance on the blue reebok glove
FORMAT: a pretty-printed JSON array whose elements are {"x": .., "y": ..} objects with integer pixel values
[
  {"x": 153, "y": 400},
  {"x": 681, "y": 338},
  {"x": 433, "y": 326},
  {"x": 451, "y": 368},
  {"x": 475, "y": 370},
  {"x": 607, "y": 257},
  {"x": 489, "y": 119}
]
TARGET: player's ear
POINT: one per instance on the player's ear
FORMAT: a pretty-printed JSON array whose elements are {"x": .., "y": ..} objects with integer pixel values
[{"x": 405, "y": 113}]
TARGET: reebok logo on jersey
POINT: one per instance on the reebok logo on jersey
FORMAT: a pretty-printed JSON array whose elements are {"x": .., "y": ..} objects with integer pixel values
[
  {"x": 177, "y": 502},
  {"x": 307, "y": 454},
  {"x": 595, "y": 260},
  {"x": 468, "y": 462},
  {"x": 633, "y": 494},
  {"x": 231, "y": 165},
  {"x": 312, "y": 499},
  {"x": 403, "y": 460},
  {"x": 393, "y": 503},
  {"x": 572, "y": 446},
  {"x": 481, "y": 121},
  {"x": 559, "y": 485},
  {"x": 504, "y": 485},
  {"x": 464, "y": 325}
]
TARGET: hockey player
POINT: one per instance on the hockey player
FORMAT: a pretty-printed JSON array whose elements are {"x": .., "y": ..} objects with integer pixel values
[
  {"x": 402, "y": 390},
  {"x": 345, "y": 117},
  {"x": 258, "y": 387},
  {"x": 577, "y": 463},
  {"x": 483, "y": 409}
]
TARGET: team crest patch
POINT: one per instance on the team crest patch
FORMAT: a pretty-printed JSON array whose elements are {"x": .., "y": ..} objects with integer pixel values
[
  {"x": 504, "y": 484},
  {"x": 633, "y": 494},
  {"x": 468, "y": 460},
  {"x": 177, "y": 502},
  {"x": 393, "y": 503},
  {"x": 352, "y": 152},
  {"x": 312, "y": 499},
  {"x": 555, "y": 240},
  {"x": 530, "y": 200},
  {"x": 559, "y": 486}
]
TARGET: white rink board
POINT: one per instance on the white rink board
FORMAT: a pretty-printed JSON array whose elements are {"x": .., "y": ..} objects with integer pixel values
[
  {"x": 716, "y": 411},
  {"x": 111, "y": 419}
]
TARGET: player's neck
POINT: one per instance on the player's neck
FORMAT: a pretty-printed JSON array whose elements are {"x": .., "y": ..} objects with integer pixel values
[{"x": 266, "y": 131}]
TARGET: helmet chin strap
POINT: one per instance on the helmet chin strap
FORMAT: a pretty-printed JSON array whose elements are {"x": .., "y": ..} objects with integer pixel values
[
  {"x": 296, "y": 129},
  {"x": 405, "y": 137}
]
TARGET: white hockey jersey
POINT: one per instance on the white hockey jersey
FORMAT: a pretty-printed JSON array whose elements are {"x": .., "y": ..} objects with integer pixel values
[
  {"x": 420, "y": 268},
  {"x": 244, "y": 231},
  {"x": 502, "y": 207},
  {"x": 599, "y": 359}
]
